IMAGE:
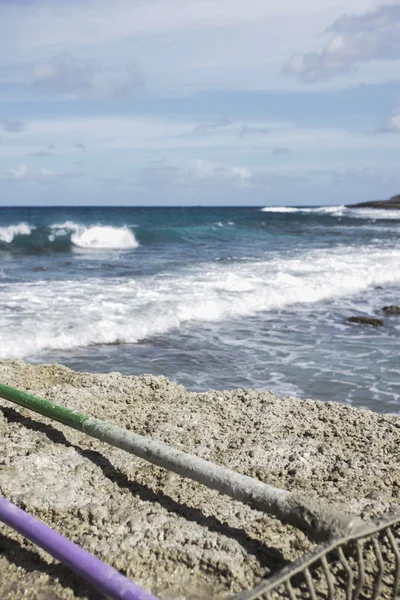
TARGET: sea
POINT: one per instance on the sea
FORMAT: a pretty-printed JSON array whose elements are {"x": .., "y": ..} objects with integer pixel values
[{"x": 212, "y": 298}]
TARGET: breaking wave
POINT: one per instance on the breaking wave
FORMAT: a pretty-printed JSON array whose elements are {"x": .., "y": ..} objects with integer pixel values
[
  {"x": 102, "y": 237},
  {"x": 67, "y": 314},
  {"x": 61, "y": 237},
  {"x": 7, "y": 234},
  {"x": 321, "y": 210},
  {"x": 338, "y": 211}
]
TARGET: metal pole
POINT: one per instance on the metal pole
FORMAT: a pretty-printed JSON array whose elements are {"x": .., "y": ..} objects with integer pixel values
[
  {"x": 103, "y": 577},
  {"x": 318, "y": 520}
]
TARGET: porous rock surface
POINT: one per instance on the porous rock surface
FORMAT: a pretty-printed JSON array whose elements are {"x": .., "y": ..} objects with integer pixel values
[{"x": 173, "y": 536}]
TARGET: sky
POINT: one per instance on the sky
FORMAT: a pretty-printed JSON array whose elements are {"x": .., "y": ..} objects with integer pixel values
[{"x": 199, "y": 102}]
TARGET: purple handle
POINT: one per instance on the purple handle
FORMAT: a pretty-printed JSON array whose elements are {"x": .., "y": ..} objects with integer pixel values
[{"x": 106, "y": 579}]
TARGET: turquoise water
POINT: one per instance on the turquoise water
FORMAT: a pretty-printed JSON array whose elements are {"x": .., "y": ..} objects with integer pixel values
[{"x": 212, "y": 298}]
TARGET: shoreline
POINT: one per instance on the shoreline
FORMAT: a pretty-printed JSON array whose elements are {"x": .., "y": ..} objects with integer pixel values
[
  {"x": 171, "y": 535},
  {"x": 391, "y": 204}
]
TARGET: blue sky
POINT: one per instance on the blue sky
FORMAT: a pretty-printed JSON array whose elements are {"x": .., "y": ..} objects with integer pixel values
[{"x": 206, "y": 102}]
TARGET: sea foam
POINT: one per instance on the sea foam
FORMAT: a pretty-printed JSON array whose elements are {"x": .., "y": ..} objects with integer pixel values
[
  {"x": 338, "y": 211},
  {"x": 69, "y": 314},
  {"x": 281, "y": 209},
  {"x": 104, "y": 237},
  {"x": 7, "y": 234},
  {"x": 328, "y": 210},
  {"x": 96, "y": 236},
  {"x": 374, "y": 213}
]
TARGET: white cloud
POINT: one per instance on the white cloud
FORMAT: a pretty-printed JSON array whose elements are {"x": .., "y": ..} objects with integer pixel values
[
  {"x": 395, "y": 121},
  {"x": 373, "y": 36},
  {"x": 21, "y": 172},
  {"x": 225, "y": 125},
  {"x": 202, "y": 182},
  {"x": 369, "y": 180},
  {"x": 41, "y": 153},
  {"x": 279, "y": 151},
  {"x": 10, "y": 126},
  {"x": 108, "y": 129},
  {"x": 383, "y": 16},
  {"x": 66, "y": 75},
  {"x": 392, "y": 125},
  {"x": 180, "y": 45},
  {"x": 46, "y": 173},
  {"x": 198, "y": 173},
  {"x": 99, "y": 21},
  {"x": 136, "y": 140},
  {"x": 246, "y": 130},
  {"x": 222, "y": 123},
  {"x": 204, "y": 170},
  {"x": 43, "y": 73}
]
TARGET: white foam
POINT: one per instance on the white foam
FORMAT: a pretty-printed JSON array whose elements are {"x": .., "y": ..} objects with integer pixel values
[
  {"x": 7, "y": 234},
  {"x": 329, "y": 210},
  {"x": 96, "y": 236},
  {"x": 61, "y": 229},
  {"x": 104, "y": 237},
  {"x": 64, "y": 228},
  {"x": 373, "y": 213},
  {"x": 338, "y": 211},
  {"x": 280, "y": 209},
  {"x": 68, "y": 314}
]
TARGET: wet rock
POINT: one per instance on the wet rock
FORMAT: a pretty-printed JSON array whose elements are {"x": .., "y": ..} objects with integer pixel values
[
  {"x": 366, "y": 321},
  {"x": 391, "y": 310}
]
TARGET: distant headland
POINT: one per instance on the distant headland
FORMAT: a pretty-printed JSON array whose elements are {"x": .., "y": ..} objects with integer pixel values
[{"x": 393, "y": 204}]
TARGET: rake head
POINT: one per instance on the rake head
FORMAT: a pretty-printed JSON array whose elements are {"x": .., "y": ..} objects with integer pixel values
[{"x": 363, "y": 565}]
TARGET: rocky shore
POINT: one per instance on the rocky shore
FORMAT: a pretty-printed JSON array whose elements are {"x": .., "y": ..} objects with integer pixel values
[
  {"x": 173, "y": 536},
  {"x": 391, "y": 204}
]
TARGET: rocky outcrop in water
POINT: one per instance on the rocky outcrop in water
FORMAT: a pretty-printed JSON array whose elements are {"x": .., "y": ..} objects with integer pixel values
[
  {"x": 391, "y": 204},
  {"x": 366, "y": 321},
  {"x": 391, "y": 310}
]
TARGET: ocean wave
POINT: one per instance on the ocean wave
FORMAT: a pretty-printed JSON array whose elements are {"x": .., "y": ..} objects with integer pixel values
[
  {"x": 281, "y": 209},
  {"x": 165, "y": 235},
  {"x": 102, "y": 237},
  {"x": 7, "y": 234},
  {"x": 42, "y": 315},
  {"x": 322, "y": 210},
  {"x": 62, "y": 236},
  {"x": 64, "y": 228},
  {"x": 338, "y": 211},
  {"x": 374, "y": 213}
]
